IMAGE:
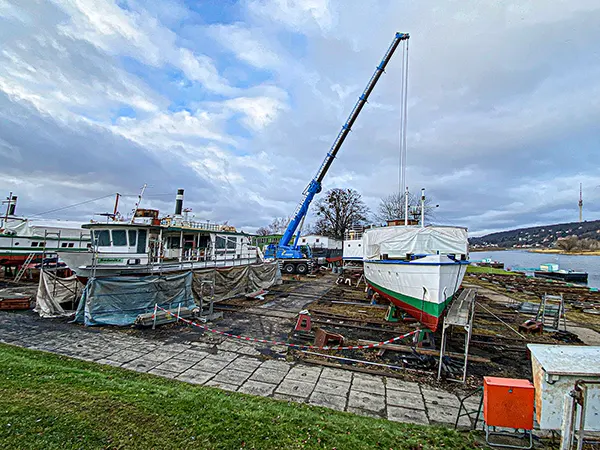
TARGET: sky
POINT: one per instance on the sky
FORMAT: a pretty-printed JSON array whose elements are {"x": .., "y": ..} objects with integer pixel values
[{"x": 238, "y": 102}]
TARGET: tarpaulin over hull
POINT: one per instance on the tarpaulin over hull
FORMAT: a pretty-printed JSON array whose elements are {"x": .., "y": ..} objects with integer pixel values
[
  {"x": 54, "y": 292},
  {"x": 234, "y": 281},
  {"x": 119, "y": 300},
  {"x": 397, "y": 241}
]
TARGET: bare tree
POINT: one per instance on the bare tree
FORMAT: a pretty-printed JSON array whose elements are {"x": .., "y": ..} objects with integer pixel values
[
  {"x": 263, "y": 231},
  {"x": 338, "y": 210},
  {"x": 568, "y": 244},
  {"x": 392, "y": 207},
  {"x": 277, "y": 226}
]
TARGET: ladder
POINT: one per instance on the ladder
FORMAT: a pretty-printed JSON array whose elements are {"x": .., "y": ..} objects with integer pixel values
[
  {"x": 551, "y": 310},
  {"x": 23, "y": 268}
]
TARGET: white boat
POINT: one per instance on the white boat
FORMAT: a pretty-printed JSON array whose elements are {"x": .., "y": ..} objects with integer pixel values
[
  {"x": 21, "y": 237},
  {"x": 149, "y": 245},
  {"x": 419, "y": 269}
]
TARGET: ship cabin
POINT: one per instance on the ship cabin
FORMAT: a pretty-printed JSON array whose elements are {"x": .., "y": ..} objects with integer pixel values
[{"x": 149, "y": 240}]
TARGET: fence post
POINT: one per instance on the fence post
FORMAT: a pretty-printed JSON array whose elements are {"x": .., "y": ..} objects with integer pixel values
[
  {"x": 154, "y": 316},
  {"x": 178, "y": 312}
]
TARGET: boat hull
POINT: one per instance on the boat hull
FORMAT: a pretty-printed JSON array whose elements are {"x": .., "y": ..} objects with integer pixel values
[
  {"x": 424, "y": 288},
  {"x": 573, "y": 277}
]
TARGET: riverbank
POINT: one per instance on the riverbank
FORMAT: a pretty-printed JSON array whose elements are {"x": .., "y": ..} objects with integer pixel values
[{"x": 556, "y": 251}]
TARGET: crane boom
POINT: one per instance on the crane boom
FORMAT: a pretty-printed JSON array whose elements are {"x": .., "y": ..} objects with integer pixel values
[{"x": 284, "y": 250}]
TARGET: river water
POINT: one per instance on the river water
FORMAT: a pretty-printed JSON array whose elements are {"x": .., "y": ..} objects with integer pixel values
[{"x": 525, "y": 259}]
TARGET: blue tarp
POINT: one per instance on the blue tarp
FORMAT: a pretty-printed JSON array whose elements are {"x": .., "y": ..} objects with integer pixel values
[{"x": 119, "y": 300}]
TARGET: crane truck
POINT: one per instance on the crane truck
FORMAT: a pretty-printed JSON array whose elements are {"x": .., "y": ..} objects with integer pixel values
[{"x": 299, "y": 259}]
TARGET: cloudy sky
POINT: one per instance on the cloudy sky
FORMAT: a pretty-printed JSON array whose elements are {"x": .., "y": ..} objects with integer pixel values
[{"x": 238, "y": 102}]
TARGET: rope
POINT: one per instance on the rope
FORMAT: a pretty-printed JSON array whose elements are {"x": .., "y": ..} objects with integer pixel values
[
  {"x": 287, "y": 344},
  {"x": 72, "y": 206}
]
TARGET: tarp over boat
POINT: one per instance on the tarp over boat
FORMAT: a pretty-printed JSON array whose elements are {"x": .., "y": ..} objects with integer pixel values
[
  {"x": 55, "y": 293},
  {"x": 397, "y": 241},
  {"x": 119, "y": 300},
  {"x": 234, "y": 281}
]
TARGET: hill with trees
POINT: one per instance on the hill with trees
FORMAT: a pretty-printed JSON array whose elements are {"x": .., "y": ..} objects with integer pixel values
[{"x": 583, "y": 235}]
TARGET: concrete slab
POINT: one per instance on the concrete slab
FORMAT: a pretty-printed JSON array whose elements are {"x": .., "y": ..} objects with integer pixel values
[
  {"x": 407, "y": 415},
  {"x": 328, "y": 400},
  {"x": 232, "y": 376},
  {"x": 222, "y": 385},
  {"x": 281, "y": 366},
  {"x": 366, "y": 401},
  {"x": 160, "y": 355},
  {"x": 210, "y": 364},
  {"x": 403, "y": 399},
  {"x": 125, "y": 356},
  {"x": 229, "y": 345},
  {"x": 109, "y": 362},
  {"x": 332, "y": 387},
  {"x": 295, "y": 388},
  {"x": 436, "y": 397},
  {"x": 401, "y": 385},
  {"x": 257, "y": 388},
  {"x": 289, "y": 398},
  {"x": 445, "y": 415},
  {"x": 368, "y": 383},
  {"x": 337, "y": 374},
  {"x": 192, "y": 355},
  {"x": 175, "y": 365},
  {"x": 364, "y": 412},
  {"x": 225, "y": 356},
  {"x": 307, "y": 374},
  {"x": 248, "y": 350},
  {"x": 175, "y": 348},
  {"x": 195, "y": 376},
  {"x": 140, "y": 365},
  {"x": 245, "y": 364},
  {"x": 163, "y": 373},
  {"x": 267, "y": 375}
]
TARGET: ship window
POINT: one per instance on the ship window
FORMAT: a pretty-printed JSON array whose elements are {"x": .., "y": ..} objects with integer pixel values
[
  {"x": 34, "y": 244},
  {"x": 231, "y": 242},
  {"x": 220, "y": 242},
  {"x": 63, "y": 245},
  {"x": 132, "y": 238},
  {"x": 103, "y": 238},
  {"x": 42, "y": 244},
  {"x": 119, "y": 238},
  {"x": 174, "y": 242},
  {"x": 71, "y": 245},
  {"x": 359, "y": 245},
  {"x": 317, "y": 240}
]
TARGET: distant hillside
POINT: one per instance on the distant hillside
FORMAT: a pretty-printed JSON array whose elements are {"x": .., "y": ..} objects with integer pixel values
[{"x": 542, "y": 236}]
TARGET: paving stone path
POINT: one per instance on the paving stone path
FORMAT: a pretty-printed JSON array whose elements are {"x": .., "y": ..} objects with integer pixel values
[{"x": 237, "y": 366}]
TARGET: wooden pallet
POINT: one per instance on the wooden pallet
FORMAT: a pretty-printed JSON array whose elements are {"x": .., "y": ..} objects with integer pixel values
[{"x": 15, "y": 303}]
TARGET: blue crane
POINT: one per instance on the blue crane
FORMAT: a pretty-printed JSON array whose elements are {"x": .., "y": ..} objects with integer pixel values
[{"x": 283, "y": 250}]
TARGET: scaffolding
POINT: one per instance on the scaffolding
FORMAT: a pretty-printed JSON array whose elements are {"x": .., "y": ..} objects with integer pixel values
[{"x": 461, "y": 314}]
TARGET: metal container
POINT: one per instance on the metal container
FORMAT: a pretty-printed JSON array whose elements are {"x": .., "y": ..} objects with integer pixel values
[
  {"x": 508, "y": 402},
  {"x": 555, "y": 370}
]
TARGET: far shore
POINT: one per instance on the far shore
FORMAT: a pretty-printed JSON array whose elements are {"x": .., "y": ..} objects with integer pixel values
[
  {"x": 551, "y": 251},
  {"x": 556, "y": 251}
]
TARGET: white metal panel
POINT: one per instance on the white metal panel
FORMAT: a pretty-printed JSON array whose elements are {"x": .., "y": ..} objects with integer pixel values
[{"x": 555, "y": 370}]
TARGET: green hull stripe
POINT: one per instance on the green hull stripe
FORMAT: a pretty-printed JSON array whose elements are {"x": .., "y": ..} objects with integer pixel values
[{"x": 433, "y": 309}]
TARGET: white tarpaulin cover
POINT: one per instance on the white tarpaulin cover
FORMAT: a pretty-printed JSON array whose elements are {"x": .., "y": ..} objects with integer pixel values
[
  {"x": 25, "y": 228},
  {"x": 397, "y": 241},
  {"x": 54, "y": 292}
]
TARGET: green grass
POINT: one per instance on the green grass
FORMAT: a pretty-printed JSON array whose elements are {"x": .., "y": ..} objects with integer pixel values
[
  {"x": 479, "y": 269},
  {"x": 53, "y": 402}
]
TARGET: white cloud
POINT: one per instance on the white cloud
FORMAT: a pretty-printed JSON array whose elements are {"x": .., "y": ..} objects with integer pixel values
[{"x": 299, "y": 15}]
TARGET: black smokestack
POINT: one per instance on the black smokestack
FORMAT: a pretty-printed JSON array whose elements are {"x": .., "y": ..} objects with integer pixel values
[
  {"x": 179, "y": 202},
  {"x": 12, "y": 205}
]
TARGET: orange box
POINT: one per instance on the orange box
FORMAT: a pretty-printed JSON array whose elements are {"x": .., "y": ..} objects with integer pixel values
[{"x": 508, "y": 402}]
